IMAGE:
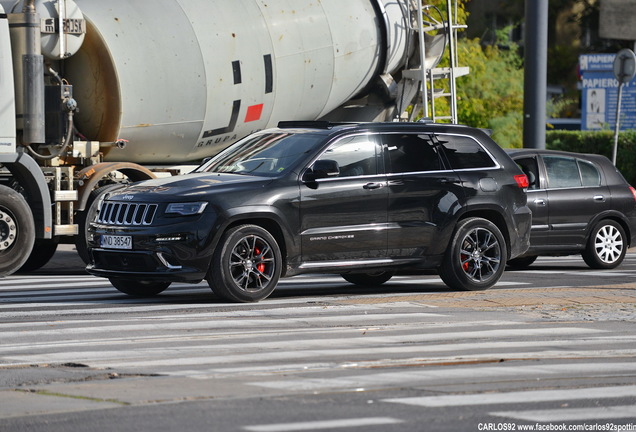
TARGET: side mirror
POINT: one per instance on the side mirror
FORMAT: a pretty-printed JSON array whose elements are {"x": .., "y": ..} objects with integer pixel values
[{"x": 323, "y": 168}]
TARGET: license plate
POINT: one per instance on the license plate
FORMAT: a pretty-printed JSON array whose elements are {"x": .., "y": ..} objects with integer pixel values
[{"x": 108, "y": 241}]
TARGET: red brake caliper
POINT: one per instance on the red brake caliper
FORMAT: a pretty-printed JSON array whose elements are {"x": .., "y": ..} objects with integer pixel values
[
  {"x": 260, "y": 266},
  {"x": 465, "y": 265}
]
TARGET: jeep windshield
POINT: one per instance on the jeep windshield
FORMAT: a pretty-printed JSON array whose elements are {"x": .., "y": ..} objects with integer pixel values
[{"x": 264, "y": 154}]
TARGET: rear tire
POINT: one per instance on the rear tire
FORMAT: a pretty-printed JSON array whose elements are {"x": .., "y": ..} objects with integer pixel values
[
  {"x": 606, "y": 247},
  {"x": 83, "y": 218},
  {"x": 139, "y": 288},
  {"x": 17, "y": 231},
  {"x": 476, "y": 256},
  {"x": 368, "y": 279},
  {"x": 246, "y": 265},
  {"x": 43, "y": 251}
]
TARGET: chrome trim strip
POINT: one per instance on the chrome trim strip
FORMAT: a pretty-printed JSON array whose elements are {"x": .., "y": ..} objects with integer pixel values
[
  {"x": 324, "y": 264},
  {"x": 166, "y": 263}
]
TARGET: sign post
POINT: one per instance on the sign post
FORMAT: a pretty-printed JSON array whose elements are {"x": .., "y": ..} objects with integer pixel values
[{"x": 624, "y": 71}]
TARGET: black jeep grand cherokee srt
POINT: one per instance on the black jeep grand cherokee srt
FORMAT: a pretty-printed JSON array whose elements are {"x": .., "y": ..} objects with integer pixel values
[{"x": 361, "y": 200}]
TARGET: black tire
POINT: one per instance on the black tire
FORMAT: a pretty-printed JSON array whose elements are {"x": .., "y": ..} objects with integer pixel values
[
  {"x": 17, "y": 231},
  {"x": 43, "y": 251},
  {"x": 607, "y": 245},
  {"x": 139, "y": 288},
  {"x": 476, "y": 256},
  {"x": 368, "y": 279},
  {"x": 246, "y": 265},
  {"x": 82, "y": 218},
  {"x": 523, "y": 262}
]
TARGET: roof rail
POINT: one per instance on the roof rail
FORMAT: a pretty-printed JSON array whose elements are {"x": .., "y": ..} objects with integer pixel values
[{"x": 314, "y": 124}]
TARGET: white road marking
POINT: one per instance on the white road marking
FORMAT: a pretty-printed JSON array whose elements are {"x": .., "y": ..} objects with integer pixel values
[
  {"x": 518, "y": 397},
  {"x": 571, "y": 414},
  {"x": 325, "y": 424}
]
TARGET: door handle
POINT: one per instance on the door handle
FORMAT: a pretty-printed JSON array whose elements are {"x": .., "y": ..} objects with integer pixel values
[
  {"x": 539, "y": 202},
  {"x": 599, "y": 198},
  {"x": 373, "y": 185}
]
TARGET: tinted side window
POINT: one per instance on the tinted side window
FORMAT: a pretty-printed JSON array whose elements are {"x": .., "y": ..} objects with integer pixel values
[
  {"x": 465, "y": 152},
  {"x": 410, "y": 153},
  {"x": 589, "y": 174},
  {"x": 356, "y": 155},
  {"x": 562, "y": 172}
]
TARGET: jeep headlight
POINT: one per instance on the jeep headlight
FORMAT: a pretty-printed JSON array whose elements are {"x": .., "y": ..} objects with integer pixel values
[{"x": 186, "y": 209}]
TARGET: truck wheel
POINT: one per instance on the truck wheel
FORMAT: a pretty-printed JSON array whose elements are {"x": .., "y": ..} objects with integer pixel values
[
  {"x": 83, "y": 218},
  {"x": 17, "y": 231},
  {"x": 43, "y": 251},
  {"x": 246, "y": 265},
  {"x": 368, "y": 279},
  {"x": 606, "y": 247},
  {"x": 139, "y": 288},
  {"x": 476, "y": 256}
]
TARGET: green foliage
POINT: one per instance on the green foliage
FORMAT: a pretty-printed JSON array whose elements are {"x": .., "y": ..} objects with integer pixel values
[
  {"x": 462, "y": 15},
  {"x": 491, "y": 95},
  {"x": 599, "y": 142},
  {"x": 562, "y": 67}
]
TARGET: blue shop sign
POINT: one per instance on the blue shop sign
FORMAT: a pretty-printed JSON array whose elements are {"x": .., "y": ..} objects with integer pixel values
[{"x": 600, "y": 94}]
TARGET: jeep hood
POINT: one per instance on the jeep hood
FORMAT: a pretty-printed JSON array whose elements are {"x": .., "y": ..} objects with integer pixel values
[{"x": 189, "y": 186}]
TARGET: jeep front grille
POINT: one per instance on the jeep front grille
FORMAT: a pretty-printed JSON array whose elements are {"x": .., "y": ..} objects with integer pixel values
[{"x": 118, "y": 213}]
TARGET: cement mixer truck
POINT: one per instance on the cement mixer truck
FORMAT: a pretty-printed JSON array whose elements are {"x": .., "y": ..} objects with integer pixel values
[{"x": 95, "y": 93}]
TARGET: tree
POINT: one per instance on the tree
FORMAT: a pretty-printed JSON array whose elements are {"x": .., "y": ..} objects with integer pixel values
[{"x": 491, "y": 95}]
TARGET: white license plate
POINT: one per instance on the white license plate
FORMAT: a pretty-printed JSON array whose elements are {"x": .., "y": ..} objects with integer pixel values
[{"x": 108, "y": 241}]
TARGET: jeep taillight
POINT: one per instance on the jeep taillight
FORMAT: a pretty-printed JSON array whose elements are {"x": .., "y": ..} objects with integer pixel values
[{"x": 522, "y": 180}]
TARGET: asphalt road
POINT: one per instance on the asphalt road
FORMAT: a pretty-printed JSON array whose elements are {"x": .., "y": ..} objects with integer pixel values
[{"x": 552, "y": 348}]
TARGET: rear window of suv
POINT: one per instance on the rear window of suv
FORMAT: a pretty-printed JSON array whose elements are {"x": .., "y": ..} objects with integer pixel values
[
  {"x": 465, "y": 153},
  {"x": 421, "y": 152}
]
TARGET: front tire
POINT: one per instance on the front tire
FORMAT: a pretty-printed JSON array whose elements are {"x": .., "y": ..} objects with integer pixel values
[
  {"x": 476, "y": 256},
  {"x": 368, "y": 279},
  {"x": 246, "y": 265},
  {"x": 139, "y": 288},
  {"x": 17, "y": 231},
  {"x": 523, "y": 262},
  {"x": 606, "y": 247}
]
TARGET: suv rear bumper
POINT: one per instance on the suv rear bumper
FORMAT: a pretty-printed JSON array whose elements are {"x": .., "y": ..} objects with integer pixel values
[{"x": 520, "y": 231}]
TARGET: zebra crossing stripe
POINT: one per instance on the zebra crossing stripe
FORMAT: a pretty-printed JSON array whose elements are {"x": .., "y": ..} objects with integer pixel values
[
  {"x": 518, "y": 397},
  {"x": 324, "y": 424},
  {"x": 448, "y": 374},
  {"x": 571, "y": 414},
  {"x": 287, "y": 350}
]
